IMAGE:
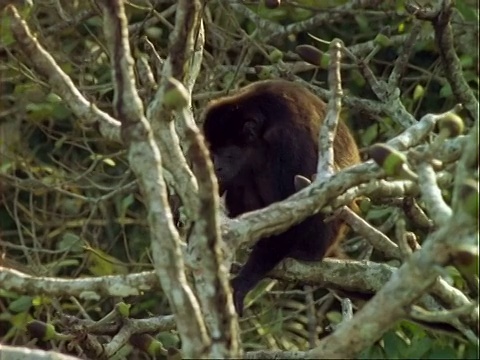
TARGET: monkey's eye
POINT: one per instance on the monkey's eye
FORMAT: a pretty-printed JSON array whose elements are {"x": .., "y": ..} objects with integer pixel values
[{"x": 251, "y": 129}]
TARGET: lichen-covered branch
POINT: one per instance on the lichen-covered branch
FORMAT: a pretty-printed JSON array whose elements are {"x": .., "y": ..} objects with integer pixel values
[
  {"x": 145, "y": 160},
  {"x": 406, "y": 284},
  {"x": 326, "y": 165},
  {"x": 15, "y": 352},
  {"x": 93, "y": 288},
  {"x": 450, "y": 60},
  {"x": 61, "y": 83},
  {"x": 181, "y": 66}
]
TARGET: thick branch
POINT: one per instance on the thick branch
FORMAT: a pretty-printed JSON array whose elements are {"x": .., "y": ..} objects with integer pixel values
[
  {"x": 404, "y": 287},
  {"x": 145, "y": 160}
]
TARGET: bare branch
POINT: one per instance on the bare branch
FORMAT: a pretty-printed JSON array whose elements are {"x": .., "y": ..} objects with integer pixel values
[
  {"x": 450, "y": 60},
  {"x": 145, "y": 161},
  {"x": 326, "y": 165},
  {"x": 419, "y": 272},
  {"x": 61, "y": 83}
]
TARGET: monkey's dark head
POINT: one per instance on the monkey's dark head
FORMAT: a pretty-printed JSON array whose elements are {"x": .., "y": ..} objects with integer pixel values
[
  {"x": 234, "y": 133},
  {"x": 256, "y": 131}
]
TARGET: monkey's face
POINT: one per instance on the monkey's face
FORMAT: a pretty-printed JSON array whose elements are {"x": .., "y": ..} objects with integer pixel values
[
  {"x": 229, "y": 162},
  {"x": 234, "y": 137}
]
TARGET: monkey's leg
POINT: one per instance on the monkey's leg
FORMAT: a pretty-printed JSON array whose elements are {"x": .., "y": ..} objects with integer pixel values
[
  {"x": 266, "y": 254},
  {"x": 312, "y": 239},
  {"x": 325, "y": 242}
]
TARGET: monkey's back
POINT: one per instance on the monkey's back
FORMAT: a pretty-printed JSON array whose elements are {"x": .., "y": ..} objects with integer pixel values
[{"x": 296, "y": 106}]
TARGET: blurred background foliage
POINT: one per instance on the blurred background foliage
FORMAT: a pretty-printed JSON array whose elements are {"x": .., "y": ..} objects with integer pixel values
[{"x": 70, "y": 206}]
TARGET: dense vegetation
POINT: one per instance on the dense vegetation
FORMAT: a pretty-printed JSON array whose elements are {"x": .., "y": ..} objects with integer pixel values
[{"x": 72, "y": 207}]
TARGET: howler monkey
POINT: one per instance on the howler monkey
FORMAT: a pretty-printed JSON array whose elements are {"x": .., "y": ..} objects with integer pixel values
[{"x": 260, "y": 138}]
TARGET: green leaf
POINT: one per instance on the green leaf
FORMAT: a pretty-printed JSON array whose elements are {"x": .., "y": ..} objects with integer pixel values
[
  {"x": 40, "y": 300},
  {"x": 39, "y": 111},
  {"x": 127, "y": 201},
  {"x": 373, "y": 352},
  {"x": 7, "y": 294},
  {"x": 393, "y": 345},
  {"x": 446, "y": 91},
  {"x": 442, "y": 352},
  {"x": 6, "y": 36},
  {"x": 109, "y": 162},
  {"x": 379, "y": 213},
  {"x": 469, "y": 12},
  {"x": 419, "y": 347},
  {"x": 70, "y": 242},
  {"x": 101, "y": 263},
  {"x": 334, "y": 317},
  {"x": 471, "y": 351},
  {"x": 370, "y": 135},
  {"x": 418, "y": 92},
  {"x": 357, "y": 78},
  {"x": 466, "y": 61},
  {"x": 20, "y": 320},
  {"x": 60, "y": 111},
  {"x": 363, "y": 23},
  {"x": 22, "y": 304}
]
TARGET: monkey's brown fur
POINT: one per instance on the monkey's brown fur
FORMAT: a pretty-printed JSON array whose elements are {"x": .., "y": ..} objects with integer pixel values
[{"x": 260, "y": 138}]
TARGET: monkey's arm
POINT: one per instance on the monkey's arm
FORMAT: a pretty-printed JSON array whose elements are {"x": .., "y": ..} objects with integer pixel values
[
  {"x": 290, "y": 152},
  {"x": 307, "y": 241},
  {"x": 266, "y": 254}
]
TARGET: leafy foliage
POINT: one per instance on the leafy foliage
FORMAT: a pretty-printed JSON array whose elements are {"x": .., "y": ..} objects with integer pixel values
[{"x": 69, "y": 205}]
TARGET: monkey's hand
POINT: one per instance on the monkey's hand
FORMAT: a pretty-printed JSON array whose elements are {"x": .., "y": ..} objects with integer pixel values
[{"x": 239, "y": 293}]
